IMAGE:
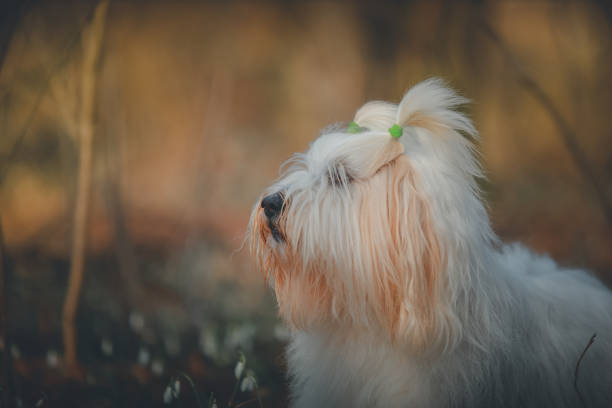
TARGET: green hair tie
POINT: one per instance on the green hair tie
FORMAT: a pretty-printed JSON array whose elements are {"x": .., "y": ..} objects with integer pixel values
[
  {"x": 396, "y": 131},
  {"x": 353, "y": 127}
]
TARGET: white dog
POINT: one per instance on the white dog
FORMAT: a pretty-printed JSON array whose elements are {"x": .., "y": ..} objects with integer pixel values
[{"x": 398, "y": 292}]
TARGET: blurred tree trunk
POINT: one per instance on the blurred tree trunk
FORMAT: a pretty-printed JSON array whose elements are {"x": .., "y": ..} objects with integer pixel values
[
  {"x": 91, "y": 42},
  {"x": 10, "y": 15}
]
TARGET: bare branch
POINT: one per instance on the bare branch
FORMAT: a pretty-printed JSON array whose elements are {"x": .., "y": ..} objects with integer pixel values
[
  {"x": 91, "y": 41},
  {"x": 590, "y": 343},
  {"x": 29, "y": 122},
  {"x": 567, "y": 134}
]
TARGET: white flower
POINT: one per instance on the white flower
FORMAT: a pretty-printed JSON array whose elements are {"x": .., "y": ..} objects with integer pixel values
[
  {"x": 157, "y": 366},
  {"x": 107, "y": 347},
  {"x": 143, "y": 356},
  {"x": 208, "y": 343},
  {"x": 168, "y": 395},
  {"x": 52, "y": 358},
  {"x": 240, "y": 337},
  {"x": 239, "y": 369},
  {"x": 281, "y": 332},
  {"x": 137, "y": 321},
  {"x": 176, "y": 390},
  {"x": 248, "y": 382}
]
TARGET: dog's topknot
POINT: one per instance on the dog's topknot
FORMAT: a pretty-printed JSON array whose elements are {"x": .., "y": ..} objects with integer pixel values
[{"x": 430, "y": 104}]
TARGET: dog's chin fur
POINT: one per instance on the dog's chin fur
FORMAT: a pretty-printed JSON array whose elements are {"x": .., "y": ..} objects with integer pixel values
[{"x": 397, "y": 291}]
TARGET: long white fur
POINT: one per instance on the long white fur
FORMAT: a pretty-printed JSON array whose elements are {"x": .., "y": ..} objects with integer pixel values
[{"x": 508, "y": 326}]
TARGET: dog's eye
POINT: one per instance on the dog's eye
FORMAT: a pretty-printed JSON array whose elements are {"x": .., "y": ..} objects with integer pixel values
[{"x": 338, "y": 176}]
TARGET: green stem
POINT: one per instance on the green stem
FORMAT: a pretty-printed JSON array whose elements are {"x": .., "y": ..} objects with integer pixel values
[{"x": 193, "y": 387}]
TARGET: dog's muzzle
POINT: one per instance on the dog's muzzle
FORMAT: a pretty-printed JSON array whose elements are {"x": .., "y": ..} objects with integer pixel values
[{"x": 273, "y": 206}]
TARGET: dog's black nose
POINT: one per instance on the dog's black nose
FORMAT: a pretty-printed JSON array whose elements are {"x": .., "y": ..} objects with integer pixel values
[{"x": 273, "y": 204}]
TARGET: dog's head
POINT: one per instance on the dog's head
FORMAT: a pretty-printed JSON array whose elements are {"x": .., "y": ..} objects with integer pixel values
[{"x": 354, "y": 233}]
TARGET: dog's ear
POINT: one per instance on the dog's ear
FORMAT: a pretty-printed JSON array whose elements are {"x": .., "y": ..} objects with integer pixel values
[{"x": 414, "y": 304}]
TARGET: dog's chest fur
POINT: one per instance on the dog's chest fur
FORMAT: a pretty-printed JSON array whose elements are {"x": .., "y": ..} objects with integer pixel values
[{"x": 351, "y": 372}]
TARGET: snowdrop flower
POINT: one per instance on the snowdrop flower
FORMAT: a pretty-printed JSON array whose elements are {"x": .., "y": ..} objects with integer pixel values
[
  {"x": 240, "y": 337},
  {"x": 239, "y": 368},
  {"x": 208, "y": 343},
  {"x": 176, "y": 390},
  {"x": 281, "y": 333},
  {"x": 52, "y": 358},
  {"x": 143, "y": 356},
  {"x": 107, "y": 347},
  {"x": 249, "y": 383},
  {"x": 137, "y": 321},
  {"x": 167, "y": 395},
  {"x": 157, "y": 366}
]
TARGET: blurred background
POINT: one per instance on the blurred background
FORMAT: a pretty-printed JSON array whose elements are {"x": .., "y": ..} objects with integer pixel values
[{"x": 136, "y": 136}]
